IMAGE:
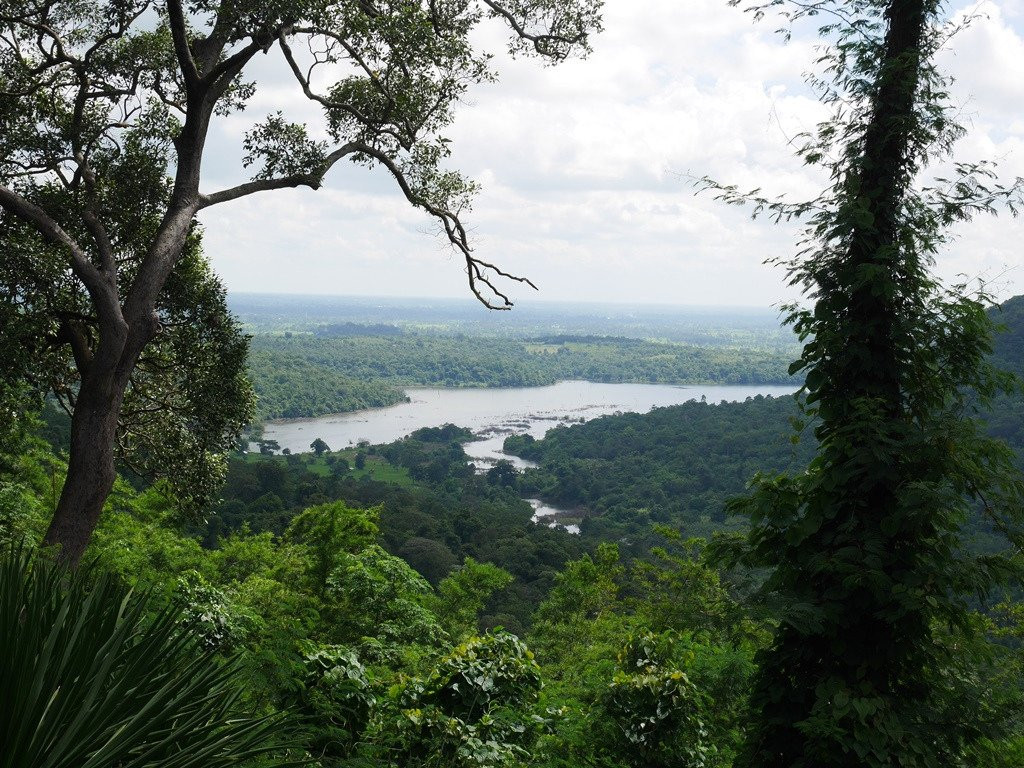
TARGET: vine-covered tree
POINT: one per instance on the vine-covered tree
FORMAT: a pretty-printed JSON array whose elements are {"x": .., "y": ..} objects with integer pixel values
[
  {"x": 868, "y": 576},
  {"x": 105, "y": 111}
]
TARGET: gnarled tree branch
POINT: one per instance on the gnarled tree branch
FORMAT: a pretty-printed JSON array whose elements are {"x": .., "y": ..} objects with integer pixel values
[{"x": 456, "y": 232}]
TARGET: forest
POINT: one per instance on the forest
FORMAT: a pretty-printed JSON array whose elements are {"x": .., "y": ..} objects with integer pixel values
[{"x": 827, "y": 579}]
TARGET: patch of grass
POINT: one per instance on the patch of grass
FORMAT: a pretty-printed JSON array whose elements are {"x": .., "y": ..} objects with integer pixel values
[
  {"x": 379, "y": 469},
  {"x": 376, "y": 467},
  {"x": 318, "y": 466}
]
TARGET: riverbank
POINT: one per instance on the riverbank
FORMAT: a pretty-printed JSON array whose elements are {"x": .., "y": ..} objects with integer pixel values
[{"x": 495, "y": 413}]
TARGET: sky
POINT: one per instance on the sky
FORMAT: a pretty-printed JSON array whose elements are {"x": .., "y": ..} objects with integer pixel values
[{"x": 586, "y": 170}]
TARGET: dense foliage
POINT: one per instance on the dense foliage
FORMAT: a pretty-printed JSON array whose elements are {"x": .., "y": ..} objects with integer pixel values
[
  {"x": 391, "y": 607},
  {"x": 434, "y": 512},
  {"x": 95, "y": 675},
  {"x": 636, "y": 659},
  {"x": 188, "y": 397},
  {"x": 388, "y": 670},
  {"x": 675, "y": 465},
  {"x": 288, "y": 386}
]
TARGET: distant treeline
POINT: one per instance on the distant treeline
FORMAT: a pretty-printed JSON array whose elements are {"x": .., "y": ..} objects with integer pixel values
[
  {"x": 307, "y": 375},
  {"x": 676, "y": 465},
  {"x": 288, "y": 386},
  {"x": 704, "y": 326}
]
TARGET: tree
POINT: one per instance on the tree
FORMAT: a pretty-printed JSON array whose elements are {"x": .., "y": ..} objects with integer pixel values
[
  {"x": 464, "y": 593},
  {"x": 105, "y": 110},
  {"x": 186, "y": 399},
  {"x": 328, "y": 530},
  {"x": 268, "y": 447},
  {"x": 320, "y": 447},
  {"x": 502, "y": 473},
  {"x": 866, "y": 561},
  {"x": 432, "y": 559}
]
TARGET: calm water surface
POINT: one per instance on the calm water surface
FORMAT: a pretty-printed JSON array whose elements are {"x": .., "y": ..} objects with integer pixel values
[{"x": 493, "y": 414}]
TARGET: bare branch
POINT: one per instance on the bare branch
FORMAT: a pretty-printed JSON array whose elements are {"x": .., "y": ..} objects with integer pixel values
[
  {"x": 208, "y": 49},
  {"x": 99, "y": 234},
  {"x": 73, "y": 335},
  {"x": 456, "y": 232},
  {"x": 222, "y": 74},
  {"x": 545, "y": 44},
  {"x": 304, "y": 83},
  {"x": 53, "y": 233},
  {"x": 312, "y": 180}
]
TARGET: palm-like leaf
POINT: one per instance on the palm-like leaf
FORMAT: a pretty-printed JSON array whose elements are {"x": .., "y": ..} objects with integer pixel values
[{"x": 93, "y": 676}]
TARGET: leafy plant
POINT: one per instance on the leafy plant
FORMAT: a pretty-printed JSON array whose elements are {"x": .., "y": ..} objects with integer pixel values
[
  {"x": 476, "y": 708},
  {"x": 96, "y": 676},
  {"x": 462, "y": 595},
  {"x": 211, "y": 615},
  {"x": 337, "y": 696},
  {"x": 656, "y": 711}
]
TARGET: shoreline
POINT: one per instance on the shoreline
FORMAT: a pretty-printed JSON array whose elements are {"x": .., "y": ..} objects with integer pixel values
[{"x": 506, "y": 388}]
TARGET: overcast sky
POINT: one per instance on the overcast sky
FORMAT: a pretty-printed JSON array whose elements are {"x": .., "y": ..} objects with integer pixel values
[{"x": 585, "y": 169}]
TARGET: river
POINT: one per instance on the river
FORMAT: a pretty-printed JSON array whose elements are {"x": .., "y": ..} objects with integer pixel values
[{"x": 493, "y": 414}]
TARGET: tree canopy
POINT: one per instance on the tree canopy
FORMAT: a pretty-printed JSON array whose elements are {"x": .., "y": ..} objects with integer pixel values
[{"x": 105, "y": 112}]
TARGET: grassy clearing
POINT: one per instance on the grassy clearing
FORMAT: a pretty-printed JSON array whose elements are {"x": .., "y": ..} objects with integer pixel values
[{"x": 375, "y": 467}]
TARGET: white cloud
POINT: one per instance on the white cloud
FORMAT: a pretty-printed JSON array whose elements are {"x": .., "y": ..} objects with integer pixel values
[{"x": 584, "y": 169}]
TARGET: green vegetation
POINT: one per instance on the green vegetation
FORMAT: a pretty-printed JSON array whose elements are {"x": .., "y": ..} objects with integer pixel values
[
  {"x": 677, "y": 465},
  {"x": 453, "y": 361},
  {"x": 434, "y": 512},
  {"x": 95, "y": 675},
  {"x": 854, "y": 601},
  {"x": 288, "y": 386},
  {"x": 383, "y": 669},
  {"x": 358, "y": 587},
  {"x": 866, "y": 570}
]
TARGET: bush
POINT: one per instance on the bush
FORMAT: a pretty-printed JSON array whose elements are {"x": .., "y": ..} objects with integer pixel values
[{"x": 477, "y": 709}]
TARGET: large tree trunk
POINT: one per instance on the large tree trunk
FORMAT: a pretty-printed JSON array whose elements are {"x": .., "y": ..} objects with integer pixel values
[
  {"x": 865, "y": 644},
  {"x": 91, "y": 469}
]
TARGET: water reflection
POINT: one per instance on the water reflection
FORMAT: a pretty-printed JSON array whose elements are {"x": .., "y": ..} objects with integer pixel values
[{"x": 545, "y": 513}]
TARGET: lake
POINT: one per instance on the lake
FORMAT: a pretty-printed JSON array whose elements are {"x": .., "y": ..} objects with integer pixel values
[{"x": 495, "y": 413}]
